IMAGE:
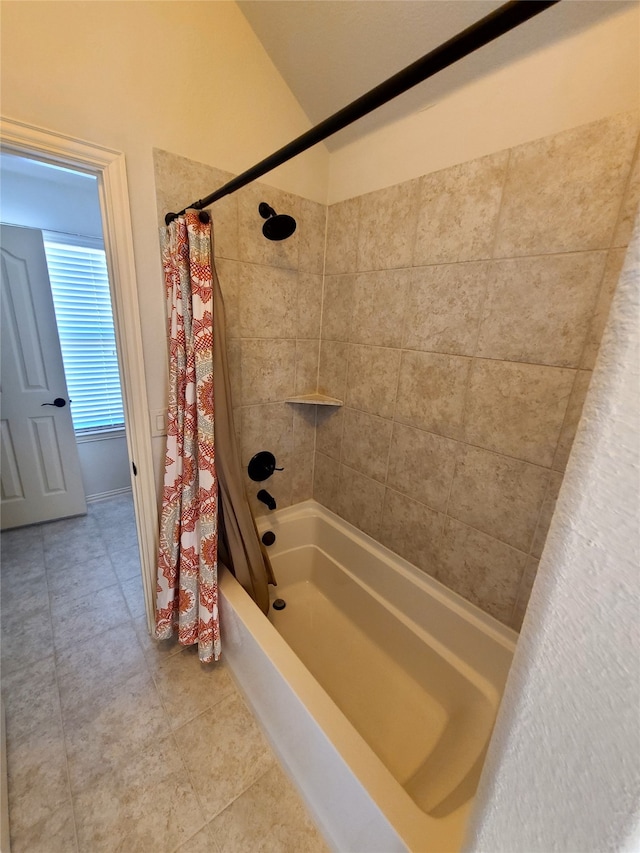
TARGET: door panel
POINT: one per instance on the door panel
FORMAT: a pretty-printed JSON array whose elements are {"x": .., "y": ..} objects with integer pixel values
[{"x": 41, "y": 477}]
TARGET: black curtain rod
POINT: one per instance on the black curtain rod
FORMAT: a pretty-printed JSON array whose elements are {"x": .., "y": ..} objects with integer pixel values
[{"x": 503, "y": 19}]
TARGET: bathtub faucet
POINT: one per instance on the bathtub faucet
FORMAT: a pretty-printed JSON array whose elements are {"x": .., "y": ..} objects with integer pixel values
[{"x": 264, "y": 496}]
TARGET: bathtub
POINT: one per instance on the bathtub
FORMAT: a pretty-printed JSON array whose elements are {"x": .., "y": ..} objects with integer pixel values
[{"x": 377, "y": 686}]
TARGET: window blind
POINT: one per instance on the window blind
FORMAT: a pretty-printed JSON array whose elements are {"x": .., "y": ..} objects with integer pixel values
[{"x": 82, "y": 302}]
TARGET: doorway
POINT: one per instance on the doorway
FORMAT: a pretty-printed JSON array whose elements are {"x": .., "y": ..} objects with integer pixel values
[
  {"x": 58, "y": 343},
  {"x": 108, "y": 168}
]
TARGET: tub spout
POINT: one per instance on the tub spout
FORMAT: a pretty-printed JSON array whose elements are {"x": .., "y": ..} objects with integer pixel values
[{"x": 264, "y": 496}]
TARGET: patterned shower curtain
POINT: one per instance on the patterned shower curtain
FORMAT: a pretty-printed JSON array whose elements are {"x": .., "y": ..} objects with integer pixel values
[{"x": 187, "y": 591}]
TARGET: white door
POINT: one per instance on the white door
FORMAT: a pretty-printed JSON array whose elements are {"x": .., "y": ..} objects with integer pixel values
[{"x": 40, "y": 469}]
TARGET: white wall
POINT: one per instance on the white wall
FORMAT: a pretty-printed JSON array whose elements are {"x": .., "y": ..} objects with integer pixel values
[
  {"x": 187, "y": 77},
  {"x": 593, "y": 74},
  {"x": 562, "y": 770}
]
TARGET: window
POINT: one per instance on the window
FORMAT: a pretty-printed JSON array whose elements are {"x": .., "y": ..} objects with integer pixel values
[{"x": 82, "y": 302}]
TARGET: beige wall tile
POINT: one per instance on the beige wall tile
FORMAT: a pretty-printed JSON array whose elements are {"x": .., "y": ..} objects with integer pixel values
[
  {"x": 563, "y": 192},
  {"x": 254, "y": 248},
  {"x": 311, "y": 226},
  {"x": 330, "y": 423},
  {"x": 326, "y": 481},
  {"x": 267, "y": 370},
  {"x": 332, "y": 373},
  {"x": 309, "y": 305},
  {"x": 365, "y": 443},
  {"x": 517, "y": 409},
  {"x": 412, "y": 530},
  {"x": 524, "y": 593},
  {"x": 241, "y": 753},
  {"x": 431, "y": 392},
  {"x": 571, "y": 419},
  {"x": 180, "y": 181},
  {"x": 443, "y": 307},
  {"x": 342, "y": 237},
  {"x": 498, "y": 495},
  {"x": 372, "y": 379},
  {"x": 234, "y": 357},
  {"x": 629, "y": 209},
  {"x": 269, "y": 815},
  {"x": 359, "y": 500},
  {"x": 279, "y": 486},
  {"x": 337, "y": 307},
  {"x": 546, "y": 513},
  {"x": 304, "y": 427},
  {"x": 268, "y": 302},
  {"x": 538, "y": 309},
  {"x": 229, "y": 278},
  {"x": 458, "y": 210},
  {"x": 378, "y": 308},
  {"x": 480, "y": 568},
  {"x": 421, "y": 465},
  {"x": 302, "y": 477},
  {"x": 613, "y": 268},
  {"x": 267, "y": 427},
  {"x": 387, "y": 226},
  {"x": 307, "y": 357}
]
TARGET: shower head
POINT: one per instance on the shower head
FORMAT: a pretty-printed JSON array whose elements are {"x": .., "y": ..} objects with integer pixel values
[{"x": 278, "y": 226}]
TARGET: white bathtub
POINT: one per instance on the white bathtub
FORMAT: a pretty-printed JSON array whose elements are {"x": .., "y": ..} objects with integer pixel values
[{"x": 377, "y": 686}]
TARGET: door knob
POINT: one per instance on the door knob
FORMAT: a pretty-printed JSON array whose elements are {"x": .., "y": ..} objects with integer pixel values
[{"x": 58, "y": 403}]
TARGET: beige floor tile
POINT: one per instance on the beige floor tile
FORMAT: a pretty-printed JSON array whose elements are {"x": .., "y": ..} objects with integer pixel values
[
  {"x": 37, "y": 776},
  {"x": 84, "y": 618},
  {"x": 202, "y": 842},
  {"x": 26, "y": 639},
  {"x": 155, "y": 651},
  {"x": 126, "y": 562},
  {"x": 102, "y": 733},
  {"x": 75, "y": 580},
  {"x": 132, "y": 590},
  {"x": 225, "y": 752},
  {"x": 31, "y": 699},
  {"x": 269, "y": 817},
  {"x": 147, "y": 805},
  {"x": 53, "y": 834},
  {"x": 188, "y": 687},
  {"x": 97, "y": 668}
]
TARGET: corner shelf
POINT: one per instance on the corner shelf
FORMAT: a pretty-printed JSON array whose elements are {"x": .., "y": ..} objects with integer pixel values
[{"x": 315, "y": 400}]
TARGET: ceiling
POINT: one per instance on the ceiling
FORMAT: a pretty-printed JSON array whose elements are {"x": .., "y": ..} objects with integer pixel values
[{"x": 330, "y": 52}]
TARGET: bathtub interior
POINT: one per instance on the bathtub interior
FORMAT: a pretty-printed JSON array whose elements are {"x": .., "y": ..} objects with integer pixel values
[
  {"x": 425, "y": 711},
  {"x": 423, "y": 718}
]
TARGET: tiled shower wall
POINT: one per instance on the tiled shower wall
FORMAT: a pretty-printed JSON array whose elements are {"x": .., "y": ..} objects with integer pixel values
[
  {"x": 460, "y": 322},
  {"x": 273, "y": 300},
  {"x": 462, "y": 316}
]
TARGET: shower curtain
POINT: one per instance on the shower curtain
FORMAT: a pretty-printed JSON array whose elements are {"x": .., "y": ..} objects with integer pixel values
[{"x": 204, "y": 504}]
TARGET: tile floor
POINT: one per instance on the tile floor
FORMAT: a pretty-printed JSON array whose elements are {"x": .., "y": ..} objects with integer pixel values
[{"x": 116, "y": 742}]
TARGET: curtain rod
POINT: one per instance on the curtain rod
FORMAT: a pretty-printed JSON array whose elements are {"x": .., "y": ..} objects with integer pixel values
[{"x": 503, "y": 19}]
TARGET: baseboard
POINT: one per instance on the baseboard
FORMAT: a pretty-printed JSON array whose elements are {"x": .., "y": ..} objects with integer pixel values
[{"x": 102, "y": 496}]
